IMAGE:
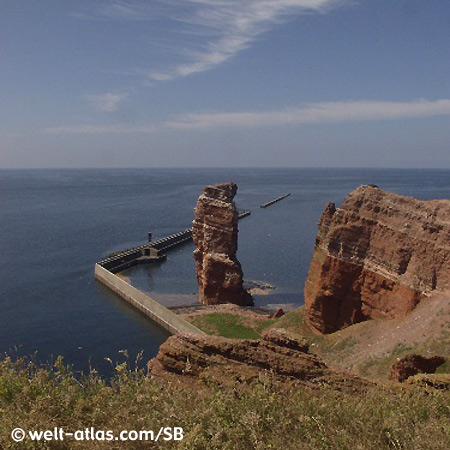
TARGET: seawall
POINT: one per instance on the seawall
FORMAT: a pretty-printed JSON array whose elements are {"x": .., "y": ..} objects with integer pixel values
[{"x": 151, "y": 308}]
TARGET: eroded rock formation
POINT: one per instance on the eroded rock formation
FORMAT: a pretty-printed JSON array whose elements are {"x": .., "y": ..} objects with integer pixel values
[
  {"x": 215, "y": 234},
  {"x": 225, "y": 360},
  {"x": 412, "y": 365},
  {"x": 376, "y": 256}
]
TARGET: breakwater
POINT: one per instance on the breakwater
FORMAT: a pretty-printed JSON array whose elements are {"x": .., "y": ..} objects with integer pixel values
[
  {"x": 106, "y": 269},
  {"x": 151, "y": 308},
  {"x": 150, "y": 252},
  {"x": 271, "y": 202}
]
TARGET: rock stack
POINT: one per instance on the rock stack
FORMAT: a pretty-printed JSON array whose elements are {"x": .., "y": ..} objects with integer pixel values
[{"x": 215, "y": 234}]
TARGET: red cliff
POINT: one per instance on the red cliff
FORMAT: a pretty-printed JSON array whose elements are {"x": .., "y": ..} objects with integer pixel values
[
  {"x": 215, "y": 234},
  {"x": 376, "y": 256}
]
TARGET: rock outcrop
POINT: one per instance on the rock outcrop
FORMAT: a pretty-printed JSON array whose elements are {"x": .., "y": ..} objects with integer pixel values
[
  {"x": 277, "y": 314},
  {"x": 215, "y": 234},
  {"x": 412, "y": 365},
  {"x": 224, "y": 360},
  {"x": 376, "y": 256}
]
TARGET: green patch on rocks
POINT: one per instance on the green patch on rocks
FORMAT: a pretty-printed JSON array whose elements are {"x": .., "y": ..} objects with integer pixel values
[{"x": 231, "y": 325}]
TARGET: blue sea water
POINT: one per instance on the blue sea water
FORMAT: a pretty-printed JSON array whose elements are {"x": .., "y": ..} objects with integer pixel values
[{"x": 55, "y": 224}]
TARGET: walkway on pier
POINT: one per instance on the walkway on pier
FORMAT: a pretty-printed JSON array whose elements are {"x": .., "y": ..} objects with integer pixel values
[{"x": 150, "y": 307}]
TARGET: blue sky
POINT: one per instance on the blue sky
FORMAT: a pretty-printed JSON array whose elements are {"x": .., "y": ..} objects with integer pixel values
[{"x": 205, "y": 83}]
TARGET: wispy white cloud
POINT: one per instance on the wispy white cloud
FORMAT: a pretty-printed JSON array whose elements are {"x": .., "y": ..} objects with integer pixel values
[
  {"x": 209, "y": 32},
  {"x": 119, "y": 10},
  {"x": 100, "y": 129},
  {"x": 311, "y": 113},
  {"x": 323, "y": 112},
  {"x": 108, "y": 102},
  {"x": 232, "y": 26}
]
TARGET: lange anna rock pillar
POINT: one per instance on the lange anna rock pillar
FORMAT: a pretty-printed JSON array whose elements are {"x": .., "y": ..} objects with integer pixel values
[{"x": 215, "y": 234}]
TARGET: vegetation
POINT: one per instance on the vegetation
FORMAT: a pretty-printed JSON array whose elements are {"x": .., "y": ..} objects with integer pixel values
[
  {"x": 263, "y": 415},
  {"x": 231, "y": 325},
  {"x": 351, "y": 346}
]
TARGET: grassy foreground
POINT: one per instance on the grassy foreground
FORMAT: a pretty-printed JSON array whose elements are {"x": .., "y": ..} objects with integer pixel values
[{"x": 264, "y": 415}]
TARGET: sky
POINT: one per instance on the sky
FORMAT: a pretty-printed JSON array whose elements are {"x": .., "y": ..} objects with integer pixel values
[{"x": 225, "y": 83}]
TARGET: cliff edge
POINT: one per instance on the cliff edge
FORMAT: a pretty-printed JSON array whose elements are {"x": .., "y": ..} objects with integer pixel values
[
  {"x": 278, "y": 353},
  {"x": 376, "y": 256}
]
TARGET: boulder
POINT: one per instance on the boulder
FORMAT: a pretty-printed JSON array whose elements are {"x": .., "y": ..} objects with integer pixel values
[
  {"x": 411, "y": 365},
  {"x": 277, "y": 314}
]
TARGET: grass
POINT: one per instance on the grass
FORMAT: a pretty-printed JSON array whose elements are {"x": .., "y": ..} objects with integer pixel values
[
  {"x": 295, "y": 322},
  {"x": 231, "y": 325},
  {"x": 379, "y": 368},
  {"x": 263, "y": 415},
  {"x": 444, "y": 368}
]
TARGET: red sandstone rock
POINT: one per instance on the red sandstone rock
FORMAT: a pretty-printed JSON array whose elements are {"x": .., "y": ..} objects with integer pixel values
[
  {"x": 376, "y": 256},
  {"x": 277, "y": 314},
  {"x": 278, "y": 353},
  {"x": 215, "y": 234},
  {"x": 412, "y": 365}
]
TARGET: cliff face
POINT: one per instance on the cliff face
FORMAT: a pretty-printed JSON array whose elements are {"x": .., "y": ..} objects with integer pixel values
[
  {"x": 376, "y": 256},
  {"x": 226, "y": 360},
  {"x": 215, "y": 234}
]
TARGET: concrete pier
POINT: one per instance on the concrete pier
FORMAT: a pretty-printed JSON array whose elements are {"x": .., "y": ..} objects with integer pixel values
[
  {"x": 151, "y": 252},
  {"x": 151, "y": 308}
]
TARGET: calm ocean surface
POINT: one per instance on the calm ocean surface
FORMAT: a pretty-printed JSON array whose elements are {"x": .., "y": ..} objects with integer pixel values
[{"x": 55, "y": 224}]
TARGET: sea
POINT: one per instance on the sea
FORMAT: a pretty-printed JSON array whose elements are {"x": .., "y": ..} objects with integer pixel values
[{"x": 56, "y": 224}]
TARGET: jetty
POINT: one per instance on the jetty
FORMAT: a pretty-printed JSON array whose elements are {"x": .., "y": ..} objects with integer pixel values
[
  {"x": 150, "y": 252},
  {"x": 105, "y": 271},
  {"x": 144, "y": 303},
  {"x": 271, "y": 202}
]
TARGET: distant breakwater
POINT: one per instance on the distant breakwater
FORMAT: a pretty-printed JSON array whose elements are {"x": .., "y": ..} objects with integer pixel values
[{"x": 275, "y": 200}]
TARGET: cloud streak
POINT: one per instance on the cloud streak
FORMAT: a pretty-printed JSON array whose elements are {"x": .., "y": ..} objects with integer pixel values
[
  {"x": 232, "y": 26},
  {"x": 209, "y": 32},
  {"x": 108, "y": 102},
  {"x": 310, "y": 113}
]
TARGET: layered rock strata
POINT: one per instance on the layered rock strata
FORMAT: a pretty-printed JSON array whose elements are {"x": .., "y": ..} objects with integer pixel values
[
  {"x": 224, "y": 360},
  {"x": 376, "y": 256},
  {"x": 215, "y": 235}
]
